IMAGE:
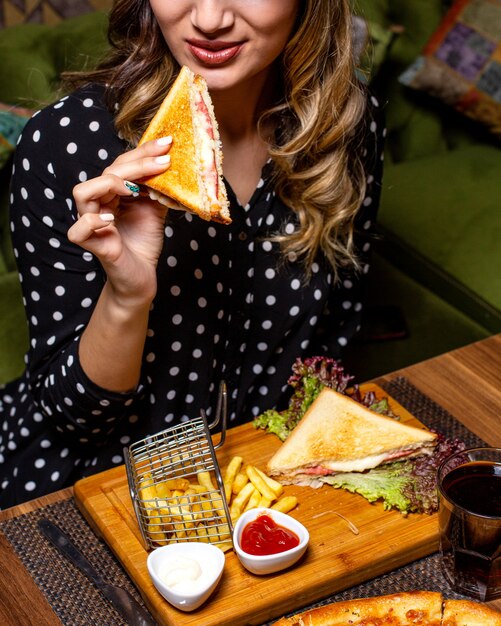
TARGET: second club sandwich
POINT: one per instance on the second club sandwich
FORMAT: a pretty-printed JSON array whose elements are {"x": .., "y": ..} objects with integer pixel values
[
  {"x": 338, "y": 434},
  {"x": 194, "y": 180}
]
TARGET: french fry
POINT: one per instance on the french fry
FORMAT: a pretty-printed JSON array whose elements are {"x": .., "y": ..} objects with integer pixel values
[
  {"x": 241, "y": 479},
  {"x": 180, "y": 484},
  {"x": 253, "y": 501},
  {"x": 157, "y": 532},
  {"x": 188, "y": 501},
  {"x": 158, "y": 526},
  {"x": 259, "y": 483},
  {"x": 179, "y": 532},
  {"x": 274, "y": 485},
  {"x": 184, "y": 514},
  {"x": 264, "y": 503},
  {"x": 163, "y": 491},
  {"x": 285, "y": 504},
  {"x": 198, "y": 488},
  {"x": 207, "y": 507},
  {"x": 224, "y": 531},
  {"x": 241, "y": 500},
  {"x": 148, "y": 493},
  {"x": 219, "y": 508},
  {"x": 231, "y": 471},
  {"x": 205, "y": 480},
  {"x": 213, "y": 509},
  {"x": 215, "y": 534},
  {"x": 200, "y": 532}
]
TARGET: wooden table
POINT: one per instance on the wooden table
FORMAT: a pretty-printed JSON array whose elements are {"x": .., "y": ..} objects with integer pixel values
[{"x": 466, "y": 382}]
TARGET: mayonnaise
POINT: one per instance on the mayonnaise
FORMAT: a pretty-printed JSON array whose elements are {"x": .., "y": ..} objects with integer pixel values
[{"x": 181, "y": 573}]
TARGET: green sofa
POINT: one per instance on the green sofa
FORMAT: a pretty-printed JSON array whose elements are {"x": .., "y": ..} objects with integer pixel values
[
  {"x": 436, "y": 259},
  {"x": 439, "y": 254},
  {"x": 440, "y": 212}
]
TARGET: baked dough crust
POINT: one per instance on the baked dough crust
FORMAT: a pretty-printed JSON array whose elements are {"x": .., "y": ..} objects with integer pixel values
[
  {"x": 413, "y": 608},
  {"x": 468, "y": 613}
]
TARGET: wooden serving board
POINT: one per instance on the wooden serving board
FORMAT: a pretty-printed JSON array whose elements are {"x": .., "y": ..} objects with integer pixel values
[{"x": 335, "y": 560}]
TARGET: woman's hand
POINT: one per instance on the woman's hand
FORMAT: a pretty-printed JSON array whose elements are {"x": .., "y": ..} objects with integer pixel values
[{"x": 122, "y": 228}]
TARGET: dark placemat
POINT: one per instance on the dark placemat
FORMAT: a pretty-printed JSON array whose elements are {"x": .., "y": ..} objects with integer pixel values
[
  {"x": 429, "y": 412},
  {"x": 77, "y": 602},
  {"x": 74, "y": 599}
]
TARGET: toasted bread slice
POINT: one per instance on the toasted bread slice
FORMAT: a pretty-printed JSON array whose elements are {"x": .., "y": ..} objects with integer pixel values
[{"x": 194, "y": 180}]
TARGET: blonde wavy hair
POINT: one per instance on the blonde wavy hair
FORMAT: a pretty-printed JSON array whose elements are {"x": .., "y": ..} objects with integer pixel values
[{"x": 318, "y": 171}]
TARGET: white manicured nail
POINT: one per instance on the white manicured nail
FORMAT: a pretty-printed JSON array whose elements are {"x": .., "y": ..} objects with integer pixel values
[
  {"x": 164, "y": 141},
  {"x": 107, "y": 217},
  {"x": 165, "y": 158}
]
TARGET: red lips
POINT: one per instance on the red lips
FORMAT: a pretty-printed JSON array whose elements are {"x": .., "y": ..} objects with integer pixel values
[{"x": 213, "y": 52}]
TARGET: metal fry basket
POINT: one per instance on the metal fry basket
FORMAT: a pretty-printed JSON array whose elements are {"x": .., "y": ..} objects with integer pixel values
[{"x": 175, "y": 482}]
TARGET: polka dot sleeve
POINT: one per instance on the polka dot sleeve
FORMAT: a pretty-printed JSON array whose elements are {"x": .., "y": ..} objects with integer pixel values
[{"x": 61, "y": 146}]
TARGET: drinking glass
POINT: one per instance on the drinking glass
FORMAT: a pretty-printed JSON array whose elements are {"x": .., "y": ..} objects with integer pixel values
[{"x": 469, "y": 490}]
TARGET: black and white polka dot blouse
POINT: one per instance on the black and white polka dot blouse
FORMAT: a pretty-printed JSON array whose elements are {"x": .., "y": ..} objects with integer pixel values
[{"x": 225, "y": 309}]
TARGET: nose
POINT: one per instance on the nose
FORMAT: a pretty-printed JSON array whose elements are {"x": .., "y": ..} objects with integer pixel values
[{"x": 210, "y": 16}]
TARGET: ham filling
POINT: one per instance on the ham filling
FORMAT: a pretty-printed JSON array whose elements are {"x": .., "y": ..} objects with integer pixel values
[{"x": 207, "y": 152}]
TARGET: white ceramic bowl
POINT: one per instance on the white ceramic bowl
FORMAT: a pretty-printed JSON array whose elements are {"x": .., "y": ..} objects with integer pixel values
[
  {"x": 186, "y": 596},
  {"x": 269, "y": 563}
]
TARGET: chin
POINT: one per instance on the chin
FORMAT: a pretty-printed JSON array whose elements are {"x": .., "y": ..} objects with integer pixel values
[{"x": 220, "y": 78}]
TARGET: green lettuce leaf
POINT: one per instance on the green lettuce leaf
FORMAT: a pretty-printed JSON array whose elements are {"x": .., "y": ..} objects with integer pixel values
[
  {"x": 309, "y": 377},
  {"x": 409, "y": 486},
  {"x": 274, "y": 422},
  {"x": 387, "y": 483}
]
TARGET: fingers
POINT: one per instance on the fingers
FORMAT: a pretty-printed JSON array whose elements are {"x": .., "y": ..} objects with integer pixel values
[
  {"x": 146, "y": 160},
  {"x": 153, "y": 148},
  {"x": 89, "y": 224},
  {"x": 99, "y": 192},
  {"x": 149, "y": 159}
]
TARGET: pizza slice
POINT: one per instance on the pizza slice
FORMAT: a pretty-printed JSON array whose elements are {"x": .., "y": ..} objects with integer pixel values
[
  {"x": 414, "y": 608},
  {"x": 468, "y": 613}
]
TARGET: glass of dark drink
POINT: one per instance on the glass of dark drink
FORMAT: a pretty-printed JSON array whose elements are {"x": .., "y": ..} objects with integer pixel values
[{"x": 469, "y": 489}]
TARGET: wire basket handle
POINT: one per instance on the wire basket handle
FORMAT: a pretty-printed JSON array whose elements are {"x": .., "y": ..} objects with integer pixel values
[{"x": 221, "y": 413}]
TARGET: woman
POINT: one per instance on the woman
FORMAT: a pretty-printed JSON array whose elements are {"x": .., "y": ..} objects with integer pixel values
[{"x": 136, "y": 314}]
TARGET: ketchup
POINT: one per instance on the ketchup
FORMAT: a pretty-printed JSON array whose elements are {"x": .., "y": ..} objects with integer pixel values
[{"x": 264, "y": 536}]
